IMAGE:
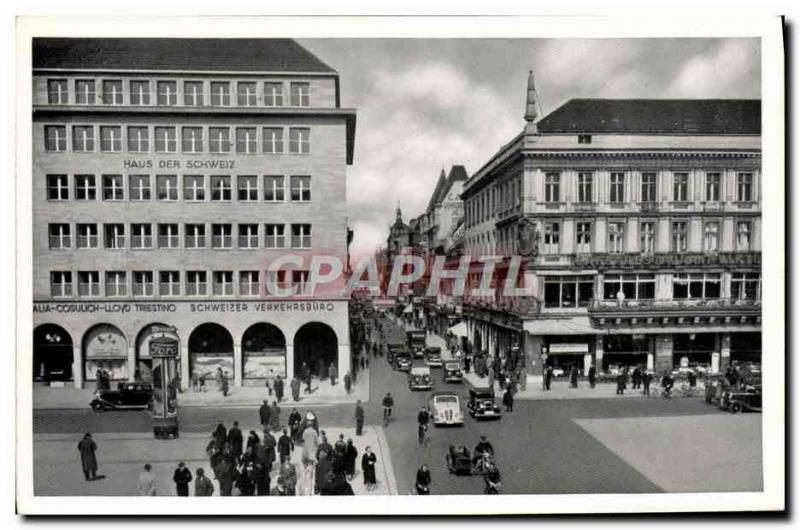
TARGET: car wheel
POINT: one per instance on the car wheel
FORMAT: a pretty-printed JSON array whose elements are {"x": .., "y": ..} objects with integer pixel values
[
  {"x": 735, "y": 408},
  {"x": 98, "y": 407}
]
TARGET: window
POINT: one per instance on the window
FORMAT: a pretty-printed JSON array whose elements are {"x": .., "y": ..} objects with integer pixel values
[
  {"x": 60, "y": 284},
  {"x": 140, "y": 93},
  {"x": 273, "y": 140},
  {"x": 138, "y": 139},
  {"x": 679, "y": 237},
  {"x": 648, "y": 187},
  {"x": 584, "y": 231},
  {"x": 744, "y": 187},
  {"x": 169, "y": 283},
  {"x": 57, "y": 92},
  {"x": 141, "y": 236},
  {"x": 585, "y": 186},
  {"x": 552, "y": 236},
  {"x": 139, "y": 187},
  {"x": 248, "y": 236},
  {"x": 87, "y": 235},
  {"x": 248, "y": 188},
  {"x": 274, "y": 236},
  {"x": 246, "y": 140},
  {"x": 167, "y": 92},
  {"x": 167, "y": 187},
  {"x": 273, "y": 94},
  {"x": 113, "y": 188},
  {"x": 647, "y": 236},
  {"x": 142, "y": 283},
  {"x": 116, "y": 283},
  {"x": 195, "y": 236},
  {"x": 220, "y": 93},
  {"x": 298, "y": 94},
  {"x": 111, "y": 139},
  {"x": 82, "y": 138},
  {"x": 57, "y": 188},
  {"x": 221, "y": 236},
  {"x": 746, "y": 286},
  {"x": 85, "y": 92},
  {"x": 696, "y": 285},
  {"x": 193, "y": 93},
  {"x": 55, "y": 138},
  {"x": 220, "y": 188},
  {"x": 300, "y": 280},
  {"x": 192, "y": 140},
  {"x": 300, "y": 188},
  {"x": 584, "y": 138},
  {"x": 112, "y": 92},
  {"x": 712, "y": 186},
  {"x": 219, "y": 139},
  {"x": 301, "y": 236},
  {"x": 617, "y": 191},
  {"x": 249, "y": 283},
  {"x": 568, "y": 291},
  {"x": 552, "y": 183},
  {"x": 273, "y": 189},
  {"x": 299, "y": 142},
  {"x": 246, "y": 94},
  {"x": 680, "y": 187},
  {"x": 711, "y": 236},
  {"x": 196, "y": 283},
  {"x": 114, "y": 236},
  {"x": 59, "y": 236},
  {"x": 168, "y": 236},
  {"x": 194, "y": 188},
  {"x": 88, "y": 283},
  {"x": 166, "y": 139},
  {"x": 616, "y": 237},
  {"x": 275, "y": 279},
  {"x": 743, "y": 231},
  {"x": 223, "y": 283},
  {"x": 632, "y": 286},
  {"x": 85, "y": 189}
]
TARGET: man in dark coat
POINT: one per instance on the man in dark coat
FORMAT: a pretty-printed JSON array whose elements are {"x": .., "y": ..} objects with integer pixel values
[
  {"x": 182, "y": 477},
  {"x": 225, "y": 384},
  {"x": 340, "y": 456},
  {"x": 636, "y": 378},
  {"x": 202, "y": 486},
  {"x": 324, "y": 468},
  {"x": 646, "y": 378},
  {"x": 262, "y": 479},
  {"x": 620, "y": 383},
  {"x": 351, "y": 454},
  {"x": 226, "y": 474},
  {"x": 278, "y": 386},
  {"x": 295, "y": 386},
  {"x": 269, "y": 444},
  {"x": 324, "y": 446},
  {"x": 220, "y": 436},
  {"x": 87, "y": 449},
  {"x": 348, "y": 381},
  {"x": 359, "y": 418},
  {"x": 573, "y": 377},
  {"x": 263, "y": 413},
  {"x": 592, "y": 376},
  {"x": 235, "y": 440},
  {"x": 295, "y": 421},
  {"x": 548, "y": 377},
  {"x": 285, "y": 447},
  {"x": 508, "y": 400},
  {"x": 275, "y": 416}
]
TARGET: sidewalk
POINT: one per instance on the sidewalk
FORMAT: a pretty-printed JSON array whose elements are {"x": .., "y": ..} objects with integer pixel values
[
  {"x": 57, "y": 467},
  {"x": 245, "y": 396}
]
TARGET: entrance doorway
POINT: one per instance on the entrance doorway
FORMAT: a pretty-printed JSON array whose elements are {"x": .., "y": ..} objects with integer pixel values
[
  {"x": 316, "y": 345},
  {"x": 105, "y": 348},
  {"x": 263, "y": 352},
  {"x": 210, "y": 350},
  {"x": 52, "y": 354}
]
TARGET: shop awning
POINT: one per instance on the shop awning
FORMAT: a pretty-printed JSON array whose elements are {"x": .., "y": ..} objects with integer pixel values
[
  {"x": 459, "y": 330},
  {"x": 561, "y": 326}
]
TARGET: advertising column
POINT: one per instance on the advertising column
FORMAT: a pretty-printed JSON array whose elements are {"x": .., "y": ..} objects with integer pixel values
[{"x": 164, "y": 353}]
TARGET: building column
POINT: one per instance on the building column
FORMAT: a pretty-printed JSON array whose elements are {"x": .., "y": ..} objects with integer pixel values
[
  {"x": 651, "y": 356},
  {"x": 77, "y": 365},
  {"x": 237, "y": 364},
  {"x": 724, "y": 350},
  {"x": 599, "y": 344},
  {"x": 663, "y": 360},
  {"x": 715, "y": 354},
  {"x": 587, "y": 362},
  {"x": 184, "y": 360},
  {"x": 132, "y": 363}
]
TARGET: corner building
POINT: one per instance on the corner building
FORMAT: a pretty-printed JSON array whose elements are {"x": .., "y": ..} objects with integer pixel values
[
  {"x": 168, "y": 176},
  {"x": 640, "y": 223}
]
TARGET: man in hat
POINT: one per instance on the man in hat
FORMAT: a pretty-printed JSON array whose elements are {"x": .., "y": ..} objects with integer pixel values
[
  {"x": 203, "y": 487},
  {"x": 359, "y": 418},
  {"x": 147, "y": 482},
  {"x": 182, "y": 477},
  {"x": 263, "y": 413},
  {"x": 87, "y": 449}
]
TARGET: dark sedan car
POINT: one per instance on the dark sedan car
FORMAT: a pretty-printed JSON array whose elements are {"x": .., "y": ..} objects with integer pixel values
[
  {"x": 127, "y": 396},
  {"x": 402, "y": 360}
]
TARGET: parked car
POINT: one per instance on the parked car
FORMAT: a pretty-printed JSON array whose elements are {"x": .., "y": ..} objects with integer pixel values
[
  {"x": 445, "y": 409},
  {"x": 735, "y": 400},
  {"x": 419, "y": 378},
  {"x": 402, "y": 360},
  {"x": 459, "y": 460},
  {"x": 127, "y": 396},
  {"x": 434, "y": 355},
  {"x": 452, "y": 372},
  {"x": 482, "y": 405},
  {"x": 415, "y": 340}
]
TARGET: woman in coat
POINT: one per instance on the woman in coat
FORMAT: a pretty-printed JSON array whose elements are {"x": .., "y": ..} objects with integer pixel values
[
  {"x": 368, "y": 468},
  {"x": 220, "y": 435},
  {"x": 87, "y": 449},
  {"x": 294, "y": 425},
  {"x": 310, "y": 442}
]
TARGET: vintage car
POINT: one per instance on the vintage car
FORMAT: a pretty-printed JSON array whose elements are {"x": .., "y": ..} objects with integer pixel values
[
  {"x": 459, "y": 460},
  {"x": 434, "y": 355},
  {"x": 402, "y": 360},
  {"x": 127, "y": 396},
  {"x": 419, "y": 378},
  {"x": 481, "y": 404},
  {"x": 735, "y": 400},
  {"x": 445, "y": 409},
  {"x": 391, "y": 349},
  {"x": 415, "y": 340},
  {"x": 452, "y": 372}
]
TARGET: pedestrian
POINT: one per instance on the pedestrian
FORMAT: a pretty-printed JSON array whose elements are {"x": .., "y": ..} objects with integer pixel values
[
  {"x": 220, "y": 436},
  {"x": 295, "y": 386},
  {"x": 692, "y": 379},
  {"x": 573, "y": 376},
  {"x": 262, "y": 479},
  {"x": 636, "y": 378},
  {"x": 323, "y": 445},
  {"x": 625, "y": 378},
  {"x": 182, "y": 477},
  {"x": 333, "y": 373},
  {"x": 285, "y": 447},
  {"x": 647, "y": 377},
  {"x": 287, "y": 480},
  {"x": 310, "y": 442},
  {"x": 235, "y": 440},
  {"x": 423, "y": 484},
  {"x": 246, "y": 477},
  {"x": 99, "y": 383},
  {"x": 368, "y": 468},
  {"x": 294, "y": 426},
  {"x": 269, "y": 444},
  {"x": 202, "y": 486},
  {"x": 348, "y": 382},
  {"x": 202, "y": 381},
  {"x": 323, "y": 469},
  {"x": 226, "y": 474},
  {"x": 279, "y": 388},
  {"x": 351, "y": 454},
  {"x": 87, "y": 448},
  {"x": 620, "y": 383},
  {"x": 270, "y": 381},
  {"x": 224, "y": 384},
  {"x": 147, "y": 482},
  {"x": 467, "y": 360},
  {"x": 195, "y": 382},
  {"x": 252, "y": 439},
  {"x": 275, "y": 417},
  {"x": 263, "y": 413},
  {"x": 218, "y": 378},
  {"x": 508, "y": 400},
  {"x": 548, "y": 377},
  {"x": 423, "y": 418},
  {"x": 340, "y": 456},
  {"x": 359, "y": 418},
  {"x": 592, "y": 376},
  {"x": 306, "y": 482},
  {"x": 305, "y": 374}
]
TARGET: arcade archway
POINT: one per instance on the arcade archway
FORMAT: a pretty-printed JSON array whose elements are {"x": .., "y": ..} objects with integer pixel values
[
  {"x": 210, "y": 349},
  {"x": 263, "y": 352},
  {"x": 52, "y": 354},
  {"x": 105, "y": 348},
  {"x": 316, "y": 345}
]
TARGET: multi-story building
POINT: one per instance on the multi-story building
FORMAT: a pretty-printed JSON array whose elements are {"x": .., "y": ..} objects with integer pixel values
[
  {"x": 172, "y": 179},
  {"x": 640, "y": 224}
]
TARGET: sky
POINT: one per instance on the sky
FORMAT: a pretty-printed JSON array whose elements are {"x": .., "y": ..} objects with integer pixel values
[{"x": 427, "y": 104}]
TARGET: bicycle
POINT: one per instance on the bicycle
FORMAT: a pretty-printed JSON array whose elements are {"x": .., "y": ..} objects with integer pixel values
[{"x": 423, "y": 433}]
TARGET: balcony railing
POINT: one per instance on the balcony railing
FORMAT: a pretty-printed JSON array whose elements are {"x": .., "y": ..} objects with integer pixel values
[{"x": 723, "y": 304}]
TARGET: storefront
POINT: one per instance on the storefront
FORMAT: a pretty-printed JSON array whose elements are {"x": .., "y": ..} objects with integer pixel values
[
  {"x": 105, "y": 348},
  {"x": 627, "y": 351},
  {"x": 52, "y": 354},
  {"x": 746, "y": 347},
  {"x": 210, "y": 350},
  {"x": 693, "y": 350},
  {"x": 565, "y": 352},
  {"x": 263, "y": 353}
]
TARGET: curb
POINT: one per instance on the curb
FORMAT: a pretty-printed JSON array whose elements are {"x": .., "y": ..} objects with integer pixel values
[{"x": 388, "y": 466}]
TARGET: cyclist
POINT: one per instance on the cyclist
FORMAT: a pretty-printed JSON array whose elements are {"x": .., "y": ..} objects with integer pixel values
[
  {"x": 484, "y": 449},
  {"x": 388, "y": 403},
  {"x": 666, "y": 384},
  {"x": 423, "y": 418},
  {"x": 492, "y": 480}
]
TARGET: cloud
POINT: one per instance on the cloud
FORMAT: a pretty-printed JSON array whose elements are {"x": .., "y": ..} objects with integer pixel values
[{"x": 724, "y": 71}]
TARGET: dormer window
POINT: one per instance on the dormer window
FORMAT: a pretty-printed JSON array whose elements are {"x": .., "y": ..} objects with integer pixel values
[{"x": 584, "y": 138}]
